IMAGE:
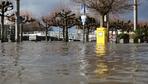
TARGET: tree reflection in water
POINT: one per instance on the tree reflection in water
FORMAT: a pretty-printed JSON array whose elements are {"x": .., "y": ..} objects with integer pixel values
[{"x": 10, "y": 68}]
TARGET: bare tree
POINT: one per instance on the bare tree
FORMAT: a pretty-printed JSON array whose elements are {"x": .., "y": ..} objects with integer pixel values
[
  {"x": 104, "y": 7},
  {"x": 66, "y": 21},
  {"x": 48, "y": 21},
  {"x": 91, "y": 25},
  {"x": 5, "y": 6},
  {"x": 25, "y": 17}
]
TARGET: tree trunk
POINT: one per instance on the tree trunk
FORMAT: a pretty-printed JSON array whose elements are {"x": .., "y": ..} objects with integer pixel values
[
  {"x": 101, "y": 20},
  {"x": 117, "y": 38},
  {"x": 66, "y": 32},
  {"x": 17, "y": 27},
  {"x": 3, "y": 36},
  {"x": 83, "y": 33},
  {"x": 108, "y": 24},
  {"x": 87, "y": 35},
  {"x": 46, "y": 37},
  {"x": 21, "y": 33},
  {"x": 63, "y": 33},
  {"x": 2, "y": 28},
  {"x": 49, "y": 39}
]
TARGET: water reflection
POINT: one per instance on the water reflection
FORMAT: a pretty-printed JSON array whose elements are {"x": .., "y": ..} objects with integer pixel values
[
  {"x": 9, "y": 67},
  {"x": 134, "y": 64},
  {"x": 83, "y": 62},
  {"x": 102, "y": 69},
  {"x": 93, "y": 63},
  {"x": 101, "y": 50},
  {"x": 73, "y": 63}
]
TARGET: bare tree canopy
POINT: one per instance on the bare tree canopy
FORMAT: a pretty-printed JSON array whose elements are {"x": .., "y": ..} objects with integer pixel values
[
  {"x": 103, "y": 7},
  {"x": 48, "y": 21},
  {"x": 106, "y": 6},
  {"x": 66, "y": 20},
  {"x": 25, "y": 17}
]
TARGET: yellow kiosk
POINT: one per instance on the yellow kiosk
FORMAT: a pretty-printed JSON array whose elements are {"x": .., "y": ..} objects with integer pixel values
[
  {"x": 101, "y": 41},
  {"x": 101, "y": 36}
]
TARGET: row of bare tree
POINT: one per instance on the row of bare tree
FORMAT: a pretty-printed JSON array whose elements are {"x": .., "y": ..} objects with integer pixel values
[
  {"x": 66, "y": 19},
  {"x": 5, "y": 6}
]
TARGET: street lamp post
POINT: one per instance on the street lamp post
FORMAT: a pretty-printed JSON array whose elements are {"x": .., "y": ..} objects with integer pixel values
[
  {"x": 17, "y": 27},
  {"x": 83, "y": 18},
  {"x": 135, "y": 14}
]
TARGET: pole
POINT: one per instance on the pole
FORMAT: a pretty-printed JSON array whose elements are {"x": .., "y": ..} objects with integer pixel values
[
  {"x": 84, "y": 23},
  {"x": 84, "y": 8},
  {"x": 108, "y": 22},
  {"x": 59, "y": 34},
  {"x": 135, "y": 14},
  {"x": 46, "y": 37},
  {"x": 21, "y": 32},
  {"x": 83, "y": 33},
  {"x": 17, "y": 27}
]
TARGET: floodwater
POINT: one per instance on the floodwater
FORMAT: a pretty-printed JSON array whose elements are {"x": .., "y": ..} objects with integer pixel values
[{"x": 73, "y": 63}]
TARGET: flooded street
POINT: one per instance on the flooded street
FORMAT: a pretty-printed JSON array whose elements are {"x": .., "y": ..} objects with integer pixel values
[{"x": 73, "y": 63}]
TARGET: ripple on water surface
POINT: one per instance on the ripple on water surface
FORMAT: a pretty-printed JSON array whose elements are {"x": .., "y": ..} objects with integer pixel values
[{"x": 73, "y": 63}]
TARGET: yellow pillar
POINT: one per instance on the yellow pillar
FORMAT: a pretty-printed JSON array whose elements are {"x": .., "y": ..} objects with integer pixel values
[{"x": 101, "y": 36}]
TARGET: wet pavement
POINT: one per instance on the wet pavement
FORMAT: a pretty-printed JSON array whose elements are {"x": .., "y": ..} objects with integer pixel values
[{"x": 73, "y": 63}]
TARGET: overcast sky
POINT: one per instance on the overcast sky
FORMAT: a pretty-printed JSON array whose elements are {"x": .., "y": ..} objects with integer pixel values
[
  {"x": 43, "y": 7},
  {"x": 39, "y": 7}
]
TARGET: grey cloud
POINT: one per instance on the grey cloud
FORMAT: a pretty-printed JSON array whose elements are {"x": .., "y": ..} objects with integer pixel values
[
  {"x": 42, "y": 7},
  {"x": 39, "y": 7}
]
